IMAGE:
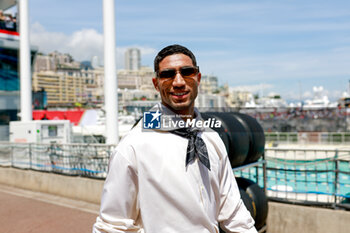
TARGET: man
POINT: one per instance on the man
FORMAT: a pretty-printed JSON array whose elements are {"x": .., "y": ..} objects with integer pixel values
[{"x": 171, "y": 179}]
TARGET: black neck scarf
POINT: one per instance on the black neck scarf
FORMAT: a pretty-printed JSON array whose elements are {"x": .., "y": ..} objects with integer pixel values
[{"x": 196, "y": 146}]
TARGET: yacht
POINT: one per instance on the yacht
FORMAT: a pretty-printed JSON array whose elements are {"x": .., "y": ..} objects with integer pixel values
[{"x": 319, "y": 101}]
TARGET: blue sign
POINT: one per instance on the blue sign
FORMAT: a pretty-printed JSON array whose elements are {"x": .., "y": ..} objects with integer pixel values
[{"x": 151, "y": 120}]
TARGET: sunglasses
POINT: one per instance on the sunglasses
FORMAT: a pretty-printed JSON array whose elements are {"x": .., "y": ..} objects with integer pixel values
[{"x": 185, "y": 71}]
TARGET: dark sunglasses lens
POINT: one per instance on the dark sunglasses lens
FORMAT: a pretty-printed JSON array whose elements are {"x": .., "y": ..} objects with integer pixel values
[
  {"x": 188, "y": 71},
  {"x": 167, "y": 74}
]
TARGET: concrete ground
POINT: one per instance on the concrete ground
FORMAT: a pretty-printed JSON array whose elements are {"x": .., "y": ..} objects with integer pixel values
[{"x": 23, "y": 211}]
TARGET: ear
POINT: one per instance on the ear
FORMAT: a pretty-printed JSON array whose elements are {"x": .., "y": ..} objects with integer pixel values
[
  {"x": 155, "y": 83},
  {"x": 199, "y": 76}
]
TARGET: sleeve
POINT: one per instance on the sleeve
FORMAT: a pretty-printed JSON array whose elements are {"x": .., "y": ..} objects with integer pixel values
[
  {"x": 233, "y": 215},
  {"x": 119, "y": 211}
]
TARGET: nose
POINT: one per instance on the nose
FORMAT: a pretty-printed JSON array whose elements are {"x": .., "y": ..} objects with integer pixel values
[{"x": 179, "y": 81}]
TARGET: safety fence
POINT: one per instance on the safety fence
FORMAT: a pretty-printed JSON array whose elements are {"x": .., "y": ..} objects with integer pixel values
[
  {"x": 88, "y": 160},
  {"x": 306, "y": 176},
  {"x": 308, "y": 137}
]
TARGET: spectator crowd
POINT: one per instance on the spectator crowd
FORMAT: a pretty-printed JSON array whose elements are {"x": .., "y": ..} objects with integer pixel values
[
  {"x": 326, "y": 113},
  {"x": 8, "y": 22}
]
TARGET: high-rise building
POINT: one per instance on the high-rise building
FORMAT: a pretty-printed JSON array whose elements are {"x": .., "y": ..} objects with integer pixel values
[{"x": 133, "y": 59}]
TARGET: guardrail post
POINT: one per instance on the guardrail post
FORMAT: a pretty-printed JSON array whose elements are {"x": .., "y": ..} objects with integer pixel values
[
  {"x": 264, "y": 173},
  {"x": 336, "y": 175},
  {"x": 11, "y": 155},
  {"x": 30, "y": 156}
]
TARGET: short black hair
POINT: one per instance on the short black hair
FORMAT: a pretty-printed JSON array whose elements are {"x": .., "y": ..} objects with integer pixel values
[{"x": 170, "y": 50}]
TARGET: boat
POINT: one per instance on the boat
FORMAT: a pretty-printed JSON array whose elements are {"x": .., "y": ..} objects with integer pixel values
[{"x": 319, "y": 101}]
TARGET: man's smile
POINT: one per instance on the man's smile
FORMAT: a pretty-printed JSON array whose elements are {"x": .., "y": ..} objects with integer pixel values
[{"x": 179, "y": 95}]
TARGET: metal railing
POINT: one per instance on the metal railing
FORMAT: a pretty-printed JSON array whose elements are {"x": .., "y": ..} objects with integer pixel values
[
  {"x": 307, "y": 176},
  {"x": 89, "y": 160},
  {"x": 308, "y": 137}
]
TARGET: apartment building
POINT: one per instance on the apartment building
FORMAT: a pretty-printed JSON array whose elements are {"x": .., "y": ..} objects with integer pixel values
[
  {"x": 136, "y": 79},
  {"x": 61, "y": 89},
  {"x": 66, "y": 81},
  {"x": 236, "y": 98},
  {"x": 209, "y": 84}
]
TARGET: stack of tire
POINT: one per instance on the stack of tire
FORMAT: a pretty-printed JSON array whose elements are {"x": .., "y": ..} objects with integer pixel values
[
  {"x": 242, "y": 135},
  {"x": 245, "y": 143},
  {"x": 254, "y": 199}
]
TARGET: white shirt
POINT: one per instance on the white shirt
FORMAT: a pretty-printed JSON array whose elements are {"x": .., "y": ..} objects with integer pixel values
[{"x": 149, "y": 189}]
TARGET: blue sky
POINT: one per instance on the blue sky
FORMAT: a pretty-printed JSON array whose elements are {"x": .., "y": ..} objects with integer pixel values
[{"x": 286, "y": 47}]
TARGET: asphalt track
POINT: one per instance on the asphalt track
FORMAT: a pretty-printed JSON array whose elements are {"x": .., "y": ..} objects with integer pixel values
[{"x": 24, "y": 211}]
